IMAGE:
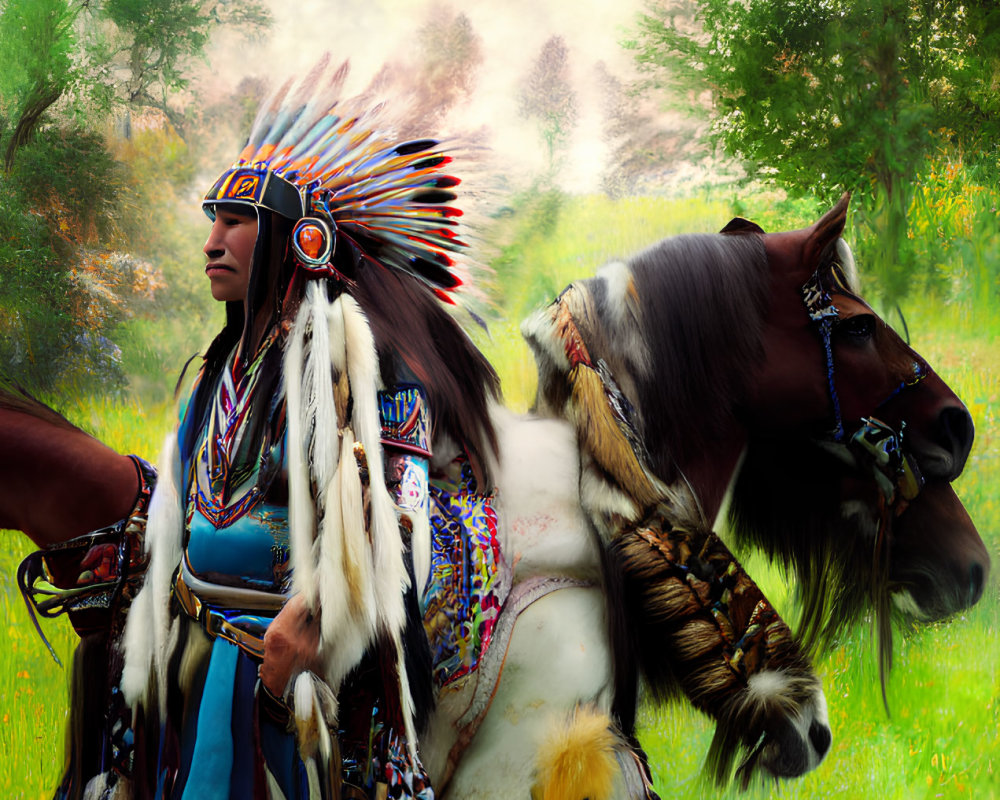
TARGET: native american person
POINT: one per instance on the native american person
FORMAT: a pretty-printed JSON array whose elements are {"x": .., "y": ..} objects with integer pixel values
[{"x": 298, "y": 478}]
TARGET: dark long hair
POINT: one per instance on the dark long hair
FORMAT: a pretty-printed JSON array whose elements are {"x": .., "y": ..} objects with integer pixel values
[
  {"x": 414, "y": 334},
  {"x": 270, "y": 274}
]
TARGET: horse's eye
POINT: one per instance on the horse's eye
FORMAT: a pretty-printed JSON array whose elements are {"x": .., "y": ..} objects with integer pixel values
[{"x": 859, "y": 328}]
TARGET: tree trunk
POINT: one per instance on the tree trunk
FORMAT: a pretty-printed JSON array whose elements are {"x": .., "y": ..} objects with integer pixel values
[{"x": 40, "y": 99}]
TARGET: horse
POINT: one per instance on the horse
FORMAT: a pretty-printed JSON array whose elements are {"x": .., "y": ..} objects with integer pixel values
[
  {"x": 696, "y": 365},
  {"x": 41, "y": 433},
  {"x": 744, "y": 361},
  {"x": 57, "y": 482}
]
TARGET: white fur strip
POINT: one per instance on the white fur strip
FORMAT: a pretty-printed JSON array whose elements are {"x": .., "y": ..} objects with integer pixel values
[
  {"x": 301, "y": 511},
  {"x": 357, "y": 554},
  {"x": 320, "y": 410},
  {"x": 147, "y": 629},
  {"x": 362, "y": 371},
  {"x": 391, "y": 579},
  {"x": 346, "y": 628},
  {"x": 330, "y": 582}
]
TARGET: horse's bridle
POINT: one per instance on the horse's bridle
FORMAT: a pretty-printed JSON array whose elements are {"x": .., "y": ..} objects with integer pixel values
[{"x": 875, "y": 447}]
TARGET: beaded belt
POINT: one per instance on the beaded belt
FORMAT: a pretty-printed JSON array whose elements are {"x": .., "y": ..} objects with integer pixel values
[{"x": 225, "y": 611}]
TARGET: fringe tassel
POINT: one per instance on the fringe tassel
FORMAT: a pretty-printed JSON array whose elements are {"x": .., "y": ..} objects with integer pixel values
[
  {"x": 147, "y": 638},
  {"x": 353, "y": 568}
]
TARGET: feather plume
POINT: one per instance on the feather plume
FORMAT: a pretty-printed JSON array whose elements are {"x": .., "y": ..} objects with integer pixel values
[{"x": 390, "y": 198}]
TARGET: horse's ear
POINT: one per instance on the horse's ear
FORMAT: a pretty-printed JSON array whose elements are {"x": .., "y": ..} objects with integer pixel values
[
  {"x": 740, "y": 225},
  {"x": 824, "y": 234}
]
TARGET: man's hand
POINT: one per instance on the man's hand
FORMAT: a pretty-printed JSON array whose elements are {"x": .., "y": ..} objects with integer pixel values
[{"x": 291, "y": 645}]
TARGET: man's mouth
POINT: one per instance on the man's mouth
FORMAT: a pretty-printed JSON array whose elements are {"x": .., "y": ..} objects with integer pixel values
[{"x": 215, "y": 267}]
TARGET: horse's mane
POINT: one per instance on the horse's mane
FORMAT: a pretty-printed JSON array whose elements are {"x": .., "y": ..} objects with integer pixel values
[
  {"x": 787, "y": 502},
  {"x": 14, "y": 397},
  {"x": 683, "y": 337}
]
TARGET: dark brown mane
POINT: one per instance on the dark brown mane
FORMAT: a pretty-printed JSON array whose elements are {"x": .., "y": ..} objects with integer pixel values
[
  {"x": 787, "y": 501},
  {"x": 700, "y": 301},
  {"x": 14, "y": 398}
]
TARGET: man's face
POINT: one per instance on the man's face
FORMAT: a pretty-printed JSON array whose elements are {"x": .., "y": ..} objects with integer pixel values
[{"x": 229, "y": 250}]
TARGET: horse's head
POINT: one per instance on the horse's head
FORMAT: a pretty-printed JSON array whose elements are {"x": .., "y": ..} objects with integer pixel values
[{"x": 853, "y": 443}]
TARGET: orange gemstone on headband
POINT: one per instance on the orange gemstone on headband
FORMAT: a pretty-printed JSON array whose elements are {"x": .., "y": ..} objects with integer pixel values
[{"x": 311, "y": 240}]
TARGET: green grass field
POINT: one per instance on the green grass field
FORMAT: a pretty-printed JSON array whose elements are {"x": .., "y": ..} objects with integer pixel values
[{"x": 943, "y": 737}]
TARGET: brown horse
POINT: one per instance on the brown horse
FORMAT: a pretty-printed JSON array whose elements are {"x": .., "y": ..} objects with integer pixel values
[
  {"x": 751, "y": 358},
  {"x": 56, "y": 481},
  {"x": 702, "y": 359}
]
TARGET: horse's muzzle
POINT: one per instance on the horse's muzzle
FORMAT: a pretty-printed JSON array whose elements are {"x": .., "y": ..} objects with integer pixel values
[{"x": 945, "y": 456}]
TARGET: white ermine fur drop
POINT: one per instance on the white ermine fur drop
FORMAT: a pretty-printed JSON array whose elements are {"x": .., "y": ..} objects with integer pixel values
[
  {"x": 147, "y": 637},
  {"x": 337, "y": 560}
]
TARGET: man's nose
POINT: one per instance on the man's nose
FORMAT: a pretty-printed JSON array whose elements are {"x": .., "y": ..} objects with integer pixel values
[{"x": 213, "y": 245}]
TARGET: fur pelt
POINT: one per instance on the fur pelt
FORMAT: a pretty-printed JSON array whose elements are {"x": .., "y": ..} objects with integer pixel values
[
  {"x": 683, "y": 612},
  {"x": 347, "y": 554}
]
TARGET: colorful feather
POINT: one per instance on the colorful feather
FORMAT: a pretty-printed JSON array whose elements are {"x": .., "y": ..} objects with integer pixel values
[{"x": 390, "y": 198}]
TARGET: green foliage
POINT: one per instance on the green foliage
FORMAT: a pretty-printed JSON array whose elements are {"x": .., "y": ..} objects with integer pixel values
[
  {"x": 36, "y": 43},
  {"x": 139, "y": 52},
  {"x": 72, "y": 197},
  {"x": 839, "y": 96},
  {"x": 62, "y": 295}
]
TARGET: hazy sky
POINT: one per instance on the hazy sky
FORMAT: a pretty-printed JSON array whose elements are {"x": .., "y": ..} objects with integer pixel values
[{"x": 512, "y": 34}]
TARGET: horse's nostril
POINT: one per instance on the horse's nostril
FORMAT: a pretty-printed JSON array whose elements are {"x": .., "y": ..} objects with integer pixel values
[
  {"x": 959, "y": 431},
  {"x": 976, "y": 581},
  {"x": 819, "y": 735}
]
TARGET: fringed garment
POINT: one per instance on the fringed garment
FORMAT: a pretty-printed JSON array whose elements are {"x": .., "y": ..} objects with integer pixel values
[{"x": 279, "y": 495}]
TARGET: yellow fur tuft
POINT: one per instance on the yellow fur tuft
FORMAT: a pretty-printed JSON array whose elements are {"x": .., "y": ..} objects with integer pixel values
[
  {"x": 578, "y": 760},
  {"x": 603, "y": 439}
]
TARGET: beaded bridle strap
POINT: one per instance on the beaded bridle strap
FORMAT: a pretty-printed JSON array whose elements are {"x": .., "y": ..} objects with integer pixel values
[{"x": 874, "y": 447}]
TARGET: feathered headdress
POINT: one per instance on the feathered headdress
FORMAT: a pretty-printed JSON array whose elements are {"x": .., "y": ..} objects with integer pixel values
[{"x": 332, "y": 167}]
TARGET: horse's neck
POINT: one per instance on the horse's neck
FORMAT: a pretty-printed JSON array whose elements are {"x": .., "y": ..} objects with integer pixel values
[
  {"x": 57, "y": 483},
  {"x": 710, "y": 474}
]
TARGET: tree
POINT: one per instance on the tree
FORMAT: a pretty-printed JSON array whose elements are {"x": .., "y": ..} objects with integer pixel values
[
  {"x": 837, "y": 95},
  {"x": 644, "y": 145},
  {"x": 66, "y": 66},
  {"x": 36, "y": 40},
  {"x": 140, "y": 51},
  {"x": 548, "y": 98},
  {"x": 450, "y": 53}
]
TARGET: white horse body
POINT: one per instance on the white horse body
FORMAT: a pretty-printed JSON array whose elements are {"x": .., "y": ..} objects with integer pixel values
[
  {"x": 496, "y": 734},
  {"x": 558, "y": 655}
]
